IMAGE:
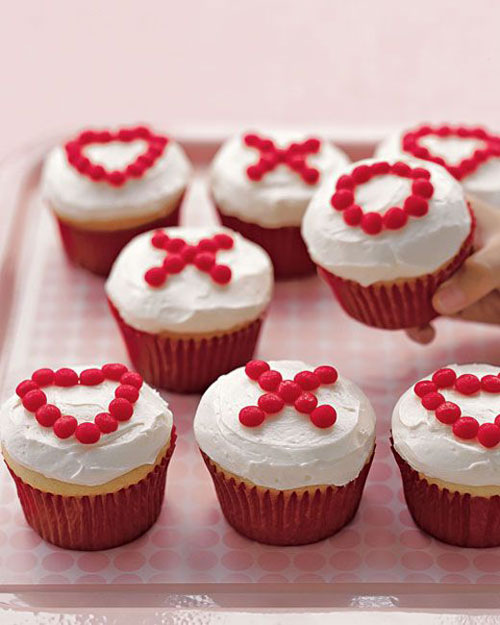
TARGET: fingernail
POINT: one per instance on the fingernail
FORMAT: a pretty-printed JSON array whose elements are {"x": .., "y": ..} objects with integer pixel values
[{"x": 449, "y": 300}]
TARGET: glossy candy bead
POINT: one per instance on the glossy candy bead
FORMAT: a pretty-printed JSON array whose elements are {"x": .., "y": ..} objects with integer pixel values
[
  {"x": 43, "y": 377},
  {"x": 424, "y": 388},
  {"x": 25, "y": 387},
  {"x": 327, "y": 374},
  {"x": 221, "y": 274},
  {"x": 448, "y": 412},
  {"x": 306, "y": 403},
  {"x": 488, "y": 434},
  {"x": 252, "y": 416},
  {"x": 467, "y": 384},
  {"x": 105, "y": 422},
  {"x": 289, "y": 391},
  {"x": 127, "y": 391},
  {"x": 174, "y": 263},
  {"x": 91, "y": 377},
  {"x": 121, "y": 409},
  {"x": 270, "y": 403},
  {"x": 132, "y": 378},
  {"x": 466, "y": 428},
  {"x": 372, "y": 223},
  {"x": 65, "y": 426},
  {"x": 66, "y": 377},
  {"x": 114, "y": 371},
  {"x": 156, "y": 276},
  {"x": 87, "y": 433},
  {"x": 47, "y": 415},
  {"x": 432, "y": 400},
  {"x": 323, "y": 416},
  {"x": 34, "y": 400},
  {"x": 444, "y": 378},
  {"x": 255, "y": 368},
  {"x": 490, "y": 384},
  {"x": 307, "y": 380},
  {"x": 224, "y": 241},
  {"x": 270, "y": 380}
]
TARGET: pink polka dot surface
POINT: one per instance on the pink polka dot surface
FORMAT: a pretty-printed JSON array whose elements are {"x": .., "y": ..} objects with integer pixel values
[{"x": 57, "y": 308}]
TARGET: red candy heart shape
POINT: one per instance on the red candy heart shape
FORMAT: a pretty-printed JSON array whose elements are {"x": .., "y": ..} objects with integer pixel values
[
  {"x": 296, "y": 392},
  {"x": 293, "y": 156},
  {"x": 411, "y": 144},
  {"x": 121, "y": 408},
  {"x": 75, "y": 152},
  {"x": 179, "y": 254},
  {"x": 450, "y": 413},
  {"x": 396, "y": 217}
]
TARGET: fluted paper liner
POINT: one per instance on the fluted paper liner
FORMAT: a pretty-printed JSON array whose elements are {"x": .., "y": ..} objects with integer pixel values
[
  {"x": 187, "y": 365},
  {"x": 284, "y": 245},
  {"x": 95, "y": 522},
  {"x": 394, "y": 305},
  {"x": 289, "y": 517},
  {"x": 96, "y": 250},
  {"x": 456, "y": 518}
]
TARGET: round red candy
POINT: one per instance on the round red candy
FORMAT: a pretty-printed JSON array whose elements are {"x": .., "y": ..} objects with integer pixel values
[
  {"x": 323, "y": 416},
  {"x": 401, "y": 169},
  {"x": 444, "y": 378},
  {"x": 65, "y": 426},
  {"x": 424, "y": 388},
  {"x": 114, "y": 371},
  {"x": 270, "y": 403},
  {"x": 448, "y": 412},
  {"x": 221, "y": 274},
  {"x": 224, "y": 241},
  {"x": 467, "y": 384},
  {"x": 342, "y": 199},
  {"x": 159, "y": 239},
  {"x": 306, "y": 403},
  {"x": 174, "y": 246},
  {"x": 395, "y": 218},
  {"x": 204, "y": 261},
  {"x": 25, "y": 387},
  {"x": 91, "y": 377},
  {"x": 132, "y": 378},
  {"x": 127, "y": 391},
  {"x": 188, "y": 253},
  {"x": 416, "y": 206},
  {"x": 372, "y": 223},
  {"x": 423, "y": 188},
  {"x": 327, "y": 374},
  {"x": 252, "y": 416},
  {"x": 432, "y": 400},
  {"x": 174, "y": 263},
  {"x": 490, "y": 384},
  {"x": 155, "y": 276},
  {"x": 353, "y": 215},
  {"x": 34, "y": 400},
  {"x": 121, "y": 409},
  {"x": 255, "y": 368},
  {"x": 307, "y": 380},
  {"x": 43, "y": 377},
  {"x": 105, "y": 422},
  {"x": 47, "y": 415},
  {"x": 207, "y": 245},
  {"x": 87, "y": 433},
  {"x": 66, "y": 377},
  {"x": 361, "y": 173},
  {"x": 289, "y": 391},
  {"x": 345, "y": 182},
  {"x": 465, "y": 427},
  {"x": 488, "y": 434},
  {"x": 270, "y": 380}
]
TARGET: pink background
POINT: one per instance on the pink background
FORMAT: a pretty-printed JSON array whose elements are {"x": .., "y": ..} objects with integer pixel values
[{"x": 215, "y": 64}]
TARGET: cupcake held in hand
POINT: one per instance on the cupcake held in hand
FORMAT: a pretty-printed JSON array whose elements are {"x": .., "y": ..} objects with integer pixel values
[
  {"x": 190, "y": 303},
  {"x": 446, "y": 435},
  {"x": 106, "y": 186},
  {"x": 385, "y": 235},
  {"x": 471, "y": 154},
  {"x": 289, "y": 447},
  {"x": 88, "y": 449},
  {"x": 262, "y": 184}
]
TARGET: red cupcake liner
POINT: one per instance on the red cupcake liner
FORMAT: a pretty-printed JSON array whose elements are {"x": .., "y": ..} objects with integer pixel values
[
  {"x": 285, "y": 246},
  {"x": 286, "y": 517},
  {"x": 456, "y": 518},
  {"x": 91, "y": 523},
  {"x": 394, "y": 305},
  {"x": 96, "y": 250},
  {"x": 187, "y": 365}
]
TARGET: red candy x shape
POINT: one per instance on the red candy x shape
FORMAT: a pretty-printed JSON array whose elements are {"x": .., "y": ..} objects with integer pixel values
[{"x": 296, "y": 392}]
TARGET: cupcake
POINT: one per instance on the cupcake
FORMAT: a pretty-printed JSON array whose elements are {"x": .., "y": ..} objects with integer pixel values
[
  {"x": 446, "y": 435},
  {"x": 189, "y": 303},
  {"x": 470, "y": 153},
  {"x": 385, "y": 235},
  {"x": 289, "y": 447},
  {"x": 106, "y": 186},
  {"x": 88, "y": 450},
  {"x": 261, "y": 185}
]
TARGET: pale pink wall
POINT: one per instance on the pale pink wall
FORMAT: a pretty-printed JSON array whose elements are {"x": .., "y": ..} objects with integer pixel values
[{"x": 205, "y": 63}]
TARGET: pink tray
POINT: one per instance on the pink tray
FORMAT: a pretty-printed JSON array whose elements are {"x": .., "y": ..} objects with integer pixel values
[{"x": 53, "y": 314}]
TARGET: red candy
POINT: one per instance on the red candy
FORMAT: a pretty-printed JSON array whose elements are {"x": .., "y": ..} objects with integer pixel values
[
  {"x": 395, "y": 218},
  {"x": 127, "y": 391},
  {"x": 488, "y": 434},
  {"x": 43, "y": 377},
  {"x": 132, "y": 378},
  {"x": 91, "y": 377},
  {"x": 466, "y": 427},
  {"x": 88, "y": 433},
  {"x": 323, "y": 416},
  {"x": 34, "y": 400},
  {"x": 424, "y": 388},
  {"x": 121, "y": 409},
  {"x": 179, "y": 254},
  {"x": 105, "y": 422},
  {"x": 255, "y": 368},
  {"x": 25, "y": 387},
  {"x": 65, "y": 377},
  {"x": 467, "y": 384},
  {"x": 65, "y": 426},
  {"x": 415, "y": 206},
  {"x": 411, "y": 144},
  {"x": 154, "y": 150},
  {"x": 423, "y": 188},
  {"x": 353, "y": 215},
  {"x": 448, "y": 412},
  {"x": 432, "y": 400},
  {"x": 252, "y": 416},
  {"x": 281, "y": 392},
  {"x": 444, "y": 378},
  {"x": 294, "y": 156},
  {"x": 490, "y": 384},
  {"x": 372, "y": 223},
  {"x": 114, "y": 371},
  {"x": 47, "y": 415}
]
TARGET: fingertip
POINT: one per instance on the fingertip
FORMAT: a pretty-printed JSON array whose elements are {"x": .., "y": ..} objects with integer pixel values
[
  {"x": 449, "y": 299},
  {"x": 422, "y": 335}
]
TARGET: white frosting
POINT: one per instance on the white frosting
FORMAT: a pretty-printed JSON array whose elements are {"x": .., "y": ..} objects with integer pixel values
[
  {"x": 430, "y": 446},
  {"x": 422, "y": 246},
  {"x": 190, "y": 301},
  {"x": 287, "y": 451},
  {"x": 78, "y": 198},
  {"x": 484, "y": 182},
  {"x": 281, "y": 197},
  {"x": 135, "y": 443}
]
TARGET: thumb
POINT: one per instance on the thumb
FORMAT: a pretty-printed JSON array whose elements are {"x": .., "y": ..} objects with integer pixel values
[{"x": 477, "y": 277}]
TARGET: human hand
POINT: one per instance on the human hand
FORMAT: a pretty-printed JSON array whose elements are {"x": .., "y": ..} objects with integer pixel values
[{"x": 473, "y": 292}]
